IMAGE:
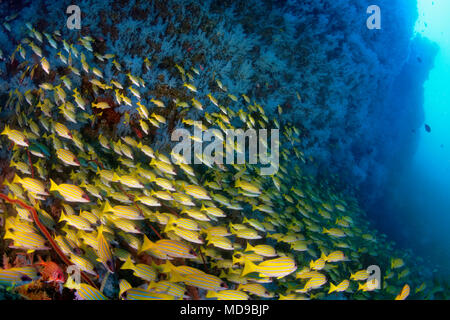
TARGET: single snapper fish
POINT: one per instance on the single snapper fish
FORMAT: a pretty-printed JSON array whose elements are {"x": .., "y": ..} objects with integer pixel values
[
  {"x": 26, "y": 240},
  {"x": 339, "y": 287},
  {"x": 143, "y": 294},
  {"x": 13, "y": 278},
  {"x": 204, "y": 281},
  {"x": 67, "y": 157},
  {"x": 313, "y": 283},
  {"x": 83, "y": 263},
  {"x": 174, "y": 289},
  {"x": 101, "y": 105},
  {"x": 77, "y": 222},
  {"x": 171, "y": 248},
  {"x": 16, "y": 136},
  {"x": 31, "y": 185},
  {"x": 227, "y": 295},
  {"x": 104, "y": 251},
  {"x": 127, "y": 212},
  {"x": 360, "y": 275},
  {"x": 404, "y": 293},
  {"x": 63, "y": 131},
  {"x": 143, "y": 271},
  {"x": 255, "y": 289},
  {"x": 197, "y": 192},
  {"x": 188, "y": 235},
  {"x": 278, "y": 267},
  {"x": 70, "y": 192},
  {"x": 87, "y": 292},
  {"x": 262, "y": 249},
  {"x": 45, "y": 65},
  {"x": 124, "y": 285}
]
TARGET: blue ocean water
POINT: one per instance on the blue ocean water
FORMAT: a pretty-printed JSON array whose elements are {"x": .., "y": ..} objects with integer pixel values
[{"x": 417, "y": 200}]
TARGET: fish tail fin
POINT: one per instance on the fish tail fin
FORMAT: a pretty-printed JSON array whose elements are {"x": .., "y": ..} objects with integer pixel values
[
  {"x": 53, "y": 186},
  {"x": 107, "y": 207},
  {"x": 236, "y": 260},
  {"x": 8, "y": 234},
  {"x": 360, "y": 286},
  {"x": 176, "y": 277},
  {"x": 17, "y": 179},
  {"x": 128, "y": 264},
  {"x": 147, "y": 244},
  {"x": 167, "y": 267},
  {"x": 169, "y": 227},
  {"x": 211, "y": 294},
  {"x": 249, "y": 267},
  {"x": 332, "y": 288},
  {"x": 6, "y": 130},
  {"x": 115, "y": 177},
  {"x": 63, "y": 217},
  {"x": 249, "y": 247}
]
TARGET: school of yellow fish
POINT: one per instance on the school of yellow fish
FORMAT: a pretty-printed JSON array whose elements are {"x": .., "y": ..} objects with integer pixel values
[{"x": 224, "y": 229}]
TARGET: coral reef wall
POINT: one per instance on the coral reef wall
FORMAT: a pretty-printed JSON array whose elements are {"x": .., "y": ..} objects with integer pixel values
[{"x": 314, "y": 58}]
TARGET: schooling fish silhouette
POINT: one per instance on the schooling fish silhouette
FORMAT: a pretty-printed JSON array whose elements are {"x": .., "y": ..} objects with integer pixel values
[{"x": 427, "y": 128}]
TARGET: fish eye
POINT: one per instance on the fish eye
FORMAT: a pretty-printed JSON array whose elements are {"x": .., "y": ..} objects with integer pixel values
[
  {"x": 237, "y": 255},
  {"x": 25, "y": 278},
  {"x": 192, "y": 252},
  {"x": 223, "y": 285}
]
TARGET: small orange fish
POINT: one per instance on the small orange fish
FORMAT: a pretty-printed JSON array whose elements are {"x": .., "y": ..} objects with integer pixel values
[{"x": 50, "y": 271}]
